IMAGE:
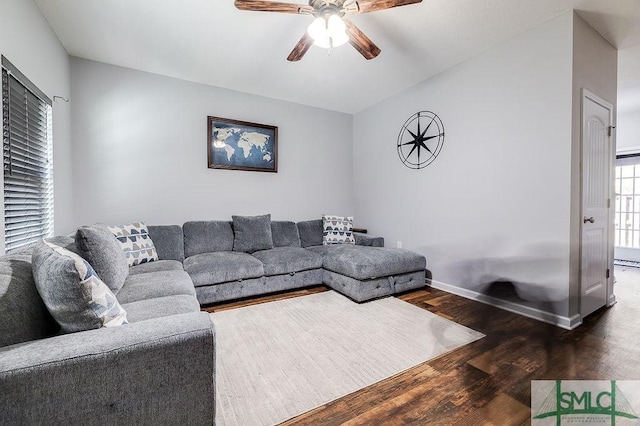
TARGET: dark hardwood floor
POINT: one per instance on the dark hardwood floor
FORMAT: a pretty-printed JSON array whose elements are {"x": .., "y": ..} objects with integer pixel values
[{"x": 488, "y": 382}]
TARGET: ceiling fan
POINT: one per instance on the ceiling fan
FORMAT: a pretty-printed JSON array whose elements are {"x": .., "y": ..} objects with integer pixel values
[{"x": 329, "y": 29}]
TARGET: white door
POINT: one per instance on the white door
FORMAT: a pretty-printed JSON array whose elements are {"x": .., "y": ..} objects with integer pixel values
[{"x": 597, "y": 159}]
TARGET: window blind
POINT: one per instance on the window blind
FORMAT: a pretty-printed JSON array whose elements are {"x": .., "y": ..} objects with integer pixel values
[{"x": 27, "y": 161}]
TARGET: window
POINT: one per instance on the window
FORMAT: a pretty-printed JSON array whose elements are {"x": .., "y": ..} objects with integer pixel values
[
  {"x": 627, "y": 214},
  {"x": 27, "y": 159}
]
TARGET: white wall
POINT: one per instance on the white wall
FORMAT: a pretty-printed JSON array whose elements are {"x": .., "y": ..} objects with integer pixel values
[
  {"x": 496, "y": 203},
  {"x": 140, "y": 152},
  {"x": 628, "y": 132},
  {"x": 628, "y": 120},
  {"x": 595, "y": 69},
  {"x": 29, "y": 43}
]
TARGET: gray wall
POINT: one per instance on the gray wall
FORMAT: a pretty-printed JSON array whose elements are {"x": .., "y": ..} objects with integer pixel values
[
  {"x": 140, "y": 152},
  {"x": 496, "y": 203},
  {"x": 29, "y": 43},
  {"x": 499, "y": 203}
]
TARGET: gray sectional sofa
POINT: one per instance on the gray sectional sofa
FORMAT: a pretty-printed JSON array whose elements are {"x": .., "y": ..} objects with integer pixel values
[
  {"x": 160, "y": 367},
  {"x": 296, "y": 259}
]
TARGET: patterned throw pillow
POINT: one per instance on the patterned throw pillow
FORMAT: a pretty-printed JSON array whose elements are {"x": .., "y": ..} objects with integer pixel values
[
  {"x": 337, "y": 230},
  {"x": 136, "y": 243},
  {"x": 74, "y": 295}
]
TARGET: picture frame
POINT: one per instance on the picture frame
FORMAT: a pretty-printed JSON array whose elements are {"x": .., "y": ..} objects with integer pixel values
[{"x": 241, "y": 145}]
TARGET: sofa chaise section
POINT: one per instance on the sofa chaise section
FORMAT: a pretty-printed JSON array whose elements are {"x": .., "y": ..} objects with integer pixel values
[
  {"x": 366, "y": 270},
  {"x": 365, "y": 273}
]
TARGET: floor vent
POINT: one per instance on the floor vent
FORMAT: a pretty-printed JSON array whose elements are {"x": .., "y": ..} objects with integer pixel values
[{"x": 618, "y": 262}]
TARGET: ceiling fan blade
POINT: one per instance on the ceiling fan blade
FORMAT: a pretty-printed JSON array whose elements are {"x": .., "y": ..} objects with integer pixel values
[
  {"x": 361, "y": 42},
  {"x": 273, "y": 6},
  {"x": 366, "y": 6},
  {"x": 301, "y": 48}
]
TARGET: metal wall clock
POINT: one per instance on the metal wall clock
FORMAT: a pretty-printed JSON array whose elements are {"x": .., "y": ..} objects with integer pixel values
[{"x": 420, "y": 140}]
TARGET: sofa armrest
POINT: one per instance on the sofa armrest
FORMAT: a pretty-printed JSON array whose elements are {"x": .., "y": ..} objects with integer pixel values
[
  {"x": 368, "y": 240},
  {"x": 159, "y": 371}
]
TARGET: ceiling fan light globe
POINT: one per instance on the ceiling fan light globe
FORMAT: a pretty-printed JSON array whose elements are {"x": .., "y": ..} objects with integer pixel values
[
  {"x": 328, "y": 32},
  {"x": 335, "y": 25},
  {"x": 339, "y": 40},
  {"x": 337, "y": 30},
  {"x": 318, "y": 28},
  {"x": 323, "y": 42}
]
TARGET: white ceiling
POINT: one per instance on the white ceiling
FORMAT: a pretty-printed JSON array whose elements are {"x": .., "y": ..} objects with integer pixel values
[{"x": 211, "y": 42}]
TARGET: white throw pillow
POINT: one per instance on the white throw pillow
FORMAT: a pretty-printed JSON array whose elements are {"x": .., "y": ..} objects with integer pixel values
[
  {"x": 337, "y": 230},
  {"x": 135, "y": 242}
]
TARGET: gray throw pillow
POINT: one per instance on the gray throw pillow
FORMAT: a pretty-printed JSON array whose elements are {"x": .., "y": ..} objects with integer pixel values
[
  {"x": 252, "y": 233},
  {"x": 73, "y": 293},
  {"x": 285, "y": 234},
  {"x": 310, "y": 233},
  {"x": 101, "y": 249}
]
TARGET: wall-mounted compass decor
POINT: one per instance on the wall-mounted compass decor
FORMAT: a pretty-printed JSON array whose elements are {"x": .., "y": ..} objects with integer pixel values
[{"x": 420, "y": 140}]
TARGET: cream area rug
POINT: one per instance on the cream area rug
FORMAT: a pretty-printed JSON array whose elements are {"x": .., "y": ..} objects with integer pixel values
[{"x": 277, "y": 360}]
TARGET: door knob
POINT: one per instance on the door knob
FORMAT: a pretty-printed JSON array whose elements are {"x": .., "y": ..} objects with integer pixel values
[{"x": 588, "y": 219}]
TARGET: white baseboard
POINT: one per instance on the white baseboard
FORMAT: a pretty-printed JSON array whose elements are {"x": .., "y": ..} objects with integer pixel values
[{"x": 568, "y": 323}]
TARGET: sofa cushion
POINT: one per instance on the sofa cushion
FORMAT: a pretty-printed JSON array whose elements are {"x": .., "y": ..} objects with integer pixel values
[
  {"x": 285, "y": 260},
  {"x": 310, "y": 232},
  {"x": 252, "y": 233},
  {"x": 207, "y": 236},
  {"x": 155, "y": 284},
  {"x": 65, "y": 241},
  {"x": 158, "y": 265},
  {"x": 222, "y": 266},
  {"x": 364, "y": 263},
  {"x": 75, "y": 296},
  {"x": 285, "y": 234},
  {"x": 159, "y": 307},
  {"x": 135, "y": 242},
  {"x": 169, "y": 241},
  {"x": 102, "y": 250},
  {"x": 24, "y": 315},
  {"x": 337, "y": 229}
]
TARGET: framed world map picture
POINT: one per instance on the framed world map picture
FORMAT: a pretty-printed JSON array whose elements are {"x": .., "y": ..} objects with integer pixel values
[{"x": 239, "y": 145}]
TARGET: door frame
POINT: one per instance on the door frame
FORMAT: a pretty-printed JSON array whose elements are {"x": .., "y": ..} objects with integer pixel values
[
  {"x": 586, "y": 94},
  {"x": 626, "y": 253}
]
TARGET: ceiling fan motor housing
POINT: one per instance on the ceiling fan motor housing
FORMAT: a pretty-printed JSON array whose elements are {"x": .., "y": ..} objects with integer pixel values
[{"x": 326, "y": 8}]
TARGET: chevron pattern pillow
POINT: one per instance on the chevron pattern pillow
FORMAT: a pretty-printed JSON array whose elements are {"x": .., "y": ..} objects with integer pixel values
[
  {"x": 135, "y": 242},
  {"x": 337, "y": 230}
]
